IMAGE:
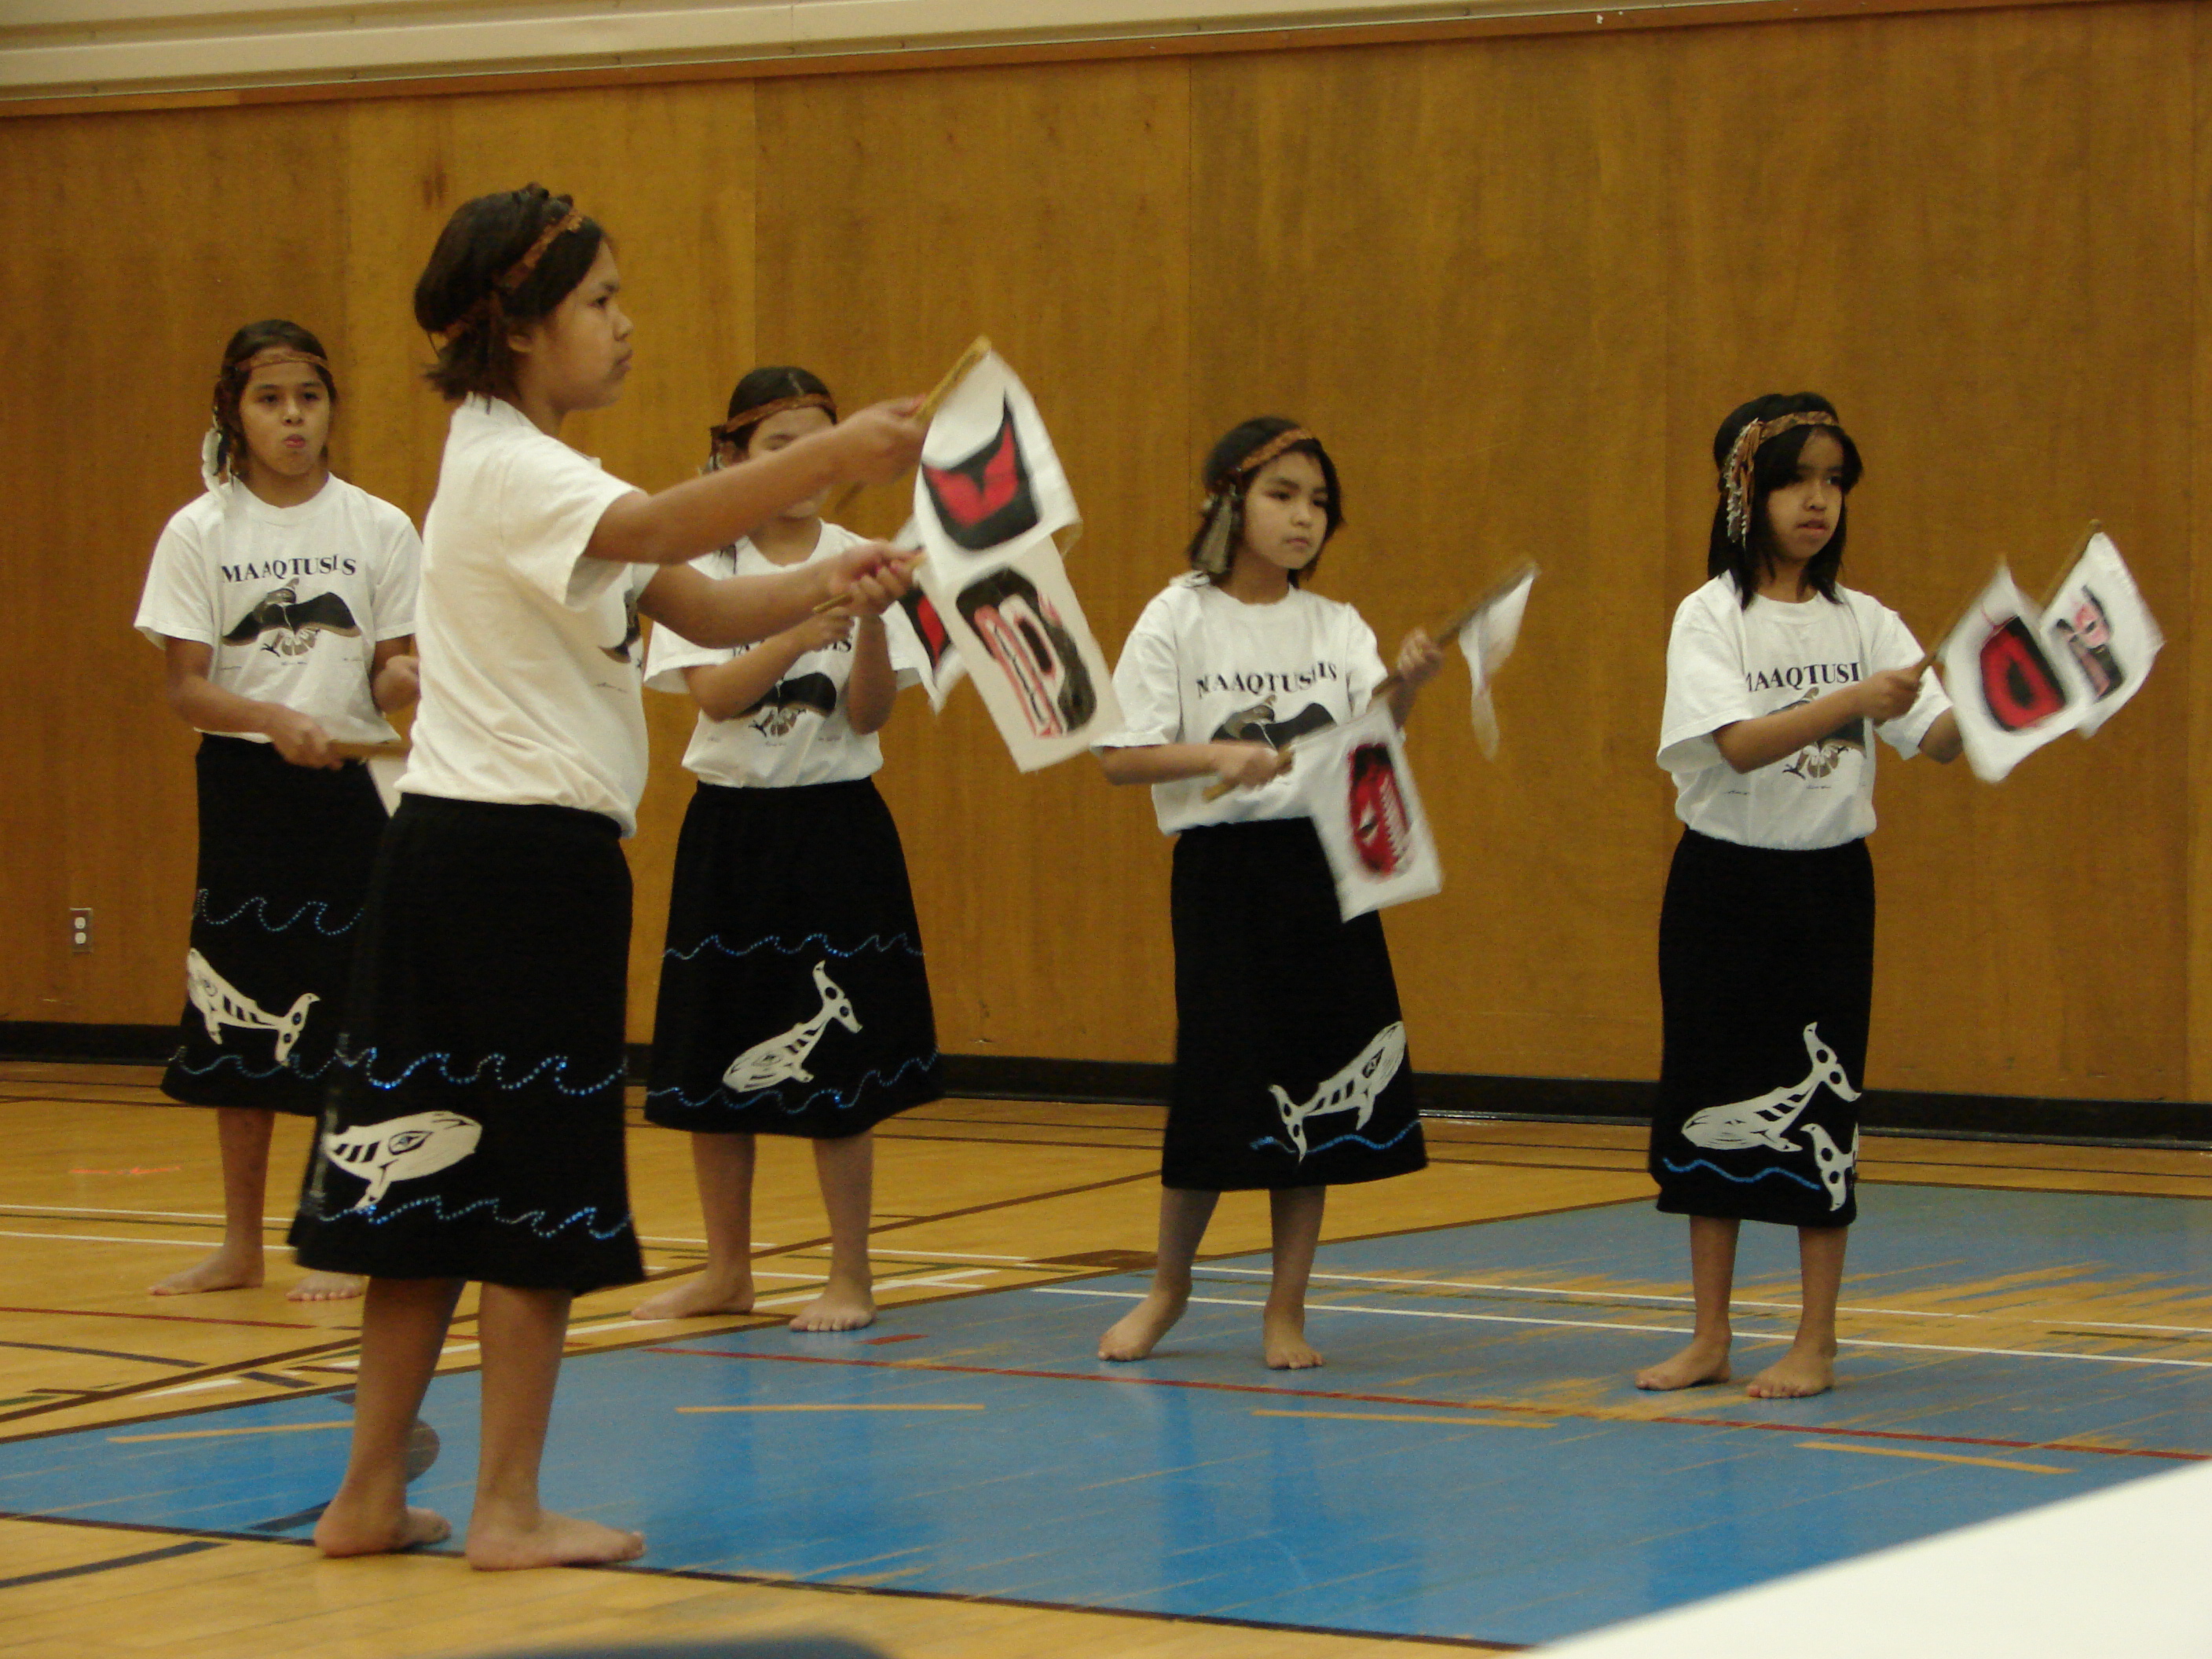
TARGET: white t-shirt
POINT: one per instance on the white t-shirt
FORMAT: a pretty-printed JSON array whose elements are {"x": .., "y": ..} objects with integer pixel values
[
  {"x": 1201, "y": 666},
  {"x": 530, "y": 682},
  {"x": 292, "y": 600},
  {"x": 1727, "y": 663},
  {"x": 799, "y": 732}
]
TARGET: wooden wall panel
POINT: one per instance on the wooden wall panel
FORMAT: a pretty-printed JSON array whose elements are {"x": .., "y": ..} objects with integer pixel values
[{"x": 1516, "y": 283}]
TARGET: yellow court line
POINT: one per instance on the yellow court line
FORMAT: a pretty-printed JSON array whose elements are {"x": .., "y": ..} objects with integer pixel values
[
  {"x": 1933, "y": 1457},
  {"x": 1393, "y": 1416},
  {"x": 215, "y": 1434},
  {"x": 692, "y": 1409}
]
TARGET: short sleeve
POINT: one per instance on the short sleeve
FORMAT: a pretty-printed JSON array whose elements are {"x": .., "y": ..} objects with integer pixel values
[
  {"x": 399, "y": 576},
  {"x": 908, "y": 664},
  {"x": 179, "y": 601},
  {"x": 1704, "y": 687},
  {"x": 550, "y": 501},
  {"x": 1893, "y": 647},
  {"x": 1148, "y": 683},
  {"x": 668, "y": 653},
  {"x": 1363, "y": 663}
]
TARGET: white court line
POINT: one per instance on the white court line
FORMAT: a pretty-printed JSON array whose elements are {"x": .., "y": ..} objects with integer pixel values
[
  {"x": 955, "y": 1255},
  {"x": 98, "y": 1238},
  {"x": 197, "y": 1387},
  {"x": 1684, "y": 1301},
  {"x": 1656, "y": 1330}
]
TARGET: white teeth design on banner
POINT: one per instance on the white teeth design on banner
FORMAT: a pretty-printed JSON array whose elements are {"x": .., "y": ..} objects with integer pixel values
[
  {"x": 1355, "y": 781},
  {"x": 1486, "y": 640},
  {"x": 402, "y": 1148},
  {"x": 1354, "y": 1089},
  {"x": 220, "y": 1005},
  {"x": 783, "y": 1059},
  {"x": 2012, "y": 690},
  {"x": 2098, "y": 619},
  {"x": 1766, "y": 1119}
]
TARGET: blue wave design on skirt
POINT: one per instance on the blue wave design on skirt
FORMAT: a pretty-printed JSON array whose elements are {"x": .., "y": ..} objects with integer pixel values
[
  {"x": 533, "y": 1219},
  {"x": 902, "y": 942},
  {"x": 1740, "y": 1181},
  {"x": 1281, "y": 1145},
  {"x": 496, "y": 1064},
  {"x": 201, "y": 913},
  {"x": 721, "y": 1095},
  {"x": 221, "y": 1061}
]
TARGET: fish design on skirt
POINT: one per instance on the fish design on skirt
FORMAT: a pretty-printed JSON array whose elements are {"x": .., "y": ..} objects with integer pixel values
[
  {"x": 1766, "y": 1119},
  {"x": 401, "y": 1149},
  {"x": 1354, "y": 1089},
  {"x": 220, "y": 1004},
  {"x": 783, "y": 1059}
]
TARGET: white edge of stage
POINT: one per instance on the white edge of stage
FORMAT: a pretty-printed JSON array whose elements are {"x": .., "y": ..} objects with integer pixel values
[{"x": 2117, "y": 1572}]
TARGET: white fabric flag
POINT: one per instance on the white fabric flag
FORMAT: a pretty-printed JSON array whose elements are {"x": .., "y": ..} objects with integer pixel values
[
  {"x": 1021, "y": 631},
  {"x": 989, "y": 478},
  {"x": 1354, "y": 779},
  {"x": 2099, "y": 621},
  {"x": 2011, "y": 691},
  {"x": 1486, "y": 640},
  {"x": 922, "y": 633}
]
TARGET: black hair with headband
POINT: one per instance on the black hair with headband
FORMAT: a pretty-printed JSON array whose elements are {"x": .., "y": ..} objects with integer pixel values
[
  {"x": 1231, "y": 468},
  {"x": 503, "y": 261},
  {"x": 1757, "y": 451},
  {"x": 763, "y": 394},
  {"x": 258, "y": 345}
]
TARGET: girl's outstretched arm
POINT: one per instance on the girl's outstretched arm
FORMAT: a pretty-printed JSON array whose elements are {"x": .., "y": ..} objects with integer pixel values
[
  {"x": 1943, "y": 742},
  {"x": 724, "y": 690},
  {"x": 873, "y": 686},
  {"x": 1747, "y": 745},
  {"x": 738, "y": 610},
  {"x": 207, "y": 707},
  {"x": 1244, "y": 764},
  {"x": 702, "y": 513},
  {"x": 1418, "y": 660}
]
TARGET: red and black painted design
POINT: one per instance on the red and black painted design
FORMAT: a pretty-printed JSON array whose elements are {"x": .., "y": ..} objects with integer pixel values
[
  {"x": 928, "y": 627},
  {"x": 1382, "y": 832},
  {"x": 987, "y": 499},
  {"x": 2019, "y": 688},
  {"x": 2088, "y": 635},
  {"x": 1021, "y": 631}
]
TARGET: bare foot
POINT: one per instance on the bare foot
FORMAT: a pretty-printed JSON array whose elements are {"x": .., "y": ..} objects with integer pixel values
[
  {"x": 1135, "y": 1336},
  {"x": 1798, "y": 1375},
  {"x": 1283, "y": 1338},
  {"x": 547, "y": 1540},
  {"x": 327, "y": 1287},
  {"x": 351, "y": 1529},
  {"x": 1704, "y": 1361},
  {"x": 226, "y": 1270},
  {"x": 839, "y": 1308},
  {"x": 693, "y": 1298}
]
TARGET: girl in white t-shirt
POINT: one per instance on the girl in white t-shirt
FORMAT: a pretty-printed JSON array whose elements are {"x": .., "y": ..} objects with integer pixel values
[
  {"x": 283, "y": 602},
  {"x": 475, "y": 1129},
  {"x": 1779, "y": 680},
  {"x": 1277, "y": 998},
  {"x": 794, "y": 1000}
]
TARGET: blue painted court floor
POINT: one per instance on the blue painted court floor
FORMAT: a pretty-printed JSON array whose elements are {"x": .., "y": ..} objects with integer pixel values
[{"x": 1471, "y": 1464}]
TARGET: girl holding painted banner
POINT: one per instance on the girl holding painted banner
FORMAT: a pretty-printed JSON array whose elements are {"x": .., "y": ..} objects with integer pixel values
[
  {"x": 794, "y": 1000},
  {"x": 1290, "y": 1072},
  {"x": 1777, "y": 679}
]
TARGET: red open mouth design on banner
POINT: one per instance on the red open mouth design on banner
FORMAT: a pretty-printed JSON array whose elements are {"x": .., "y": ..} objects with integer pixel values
[{"x": 986, "y": 500}]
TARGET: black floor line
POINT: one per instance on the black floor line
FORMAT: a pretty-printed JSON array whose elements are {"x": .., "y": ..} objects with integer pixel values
[{"x": 110, "y": 1565}]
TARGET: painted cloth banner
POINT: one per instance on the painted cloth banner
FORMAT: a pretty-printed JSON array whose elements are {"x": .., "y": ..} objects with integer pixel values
[
  {"x": 1486, "y": 640},
  {"x": 1021, "y": 631},
  {"x": 926, "y": 640},
  {"x": 2012, "y": 691},
  {"x": 1354, "y": 779},
  {"x": 2099, "y": 621},
  {"x": 989, "y": 479}
]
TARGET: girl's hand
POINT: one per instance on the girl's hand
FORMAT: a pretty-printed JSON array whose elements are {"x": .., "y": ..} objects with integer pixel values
[
  {"x": 869, "y": 580},
  {"x": 1248, "y": 765},
  {"x": 1885, "y": 696},
  {"x": 300, "y": 741},
  {"x": 1418, "y": 660},
  {"x": 881, "y": 441},
  {"x": 399, "y": 683},
  {"x": 817, "y": 632}
]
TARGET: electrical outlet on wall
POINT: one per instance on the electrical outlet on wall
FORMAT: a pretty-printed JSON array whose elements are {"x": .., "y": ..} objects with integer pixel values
[{"x": 80, "y": 932}]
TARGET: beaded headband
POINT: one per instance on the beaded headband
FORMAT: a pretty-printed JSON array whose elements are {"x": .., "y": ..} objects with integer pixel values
[
  {"x": 727, "y": 432},
  {"x": 1265, "y": 454},
  {"x": 1214, "y": 555},
  {"x": 508, "y": 279},
  {"x": 1748, "y": 442},
  {"x": 270, "y": 356}
]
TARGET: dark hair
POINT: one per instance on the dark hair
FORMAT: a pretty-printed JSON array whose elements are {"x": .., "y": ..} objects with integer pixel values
[
  {"x": 763, "y": 386},
  {"x": 461, "y": 294},
  {"x": 1222, "y": 470},
  {"x": 1774, "y": 465},
  {"x": 231, "y": 379}
]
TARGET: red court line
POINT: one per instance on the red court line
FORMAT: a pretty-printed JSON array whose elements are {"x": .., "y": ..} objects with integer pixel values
[
  {"x": 181, "y": 1319},
  {"x": 1452, "y": 1405}
]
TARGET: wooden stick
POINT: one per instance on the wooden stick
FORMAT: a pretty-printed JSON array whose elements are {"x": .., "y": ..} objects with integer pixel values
[
  {"x": 907, "y": 560},
  {"x": 978, "y": 348}
]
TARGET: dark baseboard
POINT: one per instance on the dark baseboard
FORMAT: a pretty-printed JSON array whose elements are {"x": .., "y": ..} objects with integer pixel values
[{"x": 2182, "y": 1123}]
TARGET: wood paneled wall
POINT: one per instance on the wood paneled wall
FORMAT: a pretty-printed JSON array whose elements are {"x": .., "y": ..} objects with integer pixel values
[{"x": 1515, "y": 283}]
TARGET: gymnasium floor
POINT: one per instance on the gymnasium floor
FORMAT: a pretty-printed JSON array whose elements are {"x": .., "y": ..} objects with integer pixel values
[{"x": 1472, "y": 1468}]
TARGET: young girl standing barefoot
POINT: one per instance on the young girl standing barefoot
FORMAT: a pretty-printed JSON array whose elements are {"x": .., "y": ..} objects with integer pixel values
[
  {"x": 475, "y": 1131},
  {"x": 284, "y": 600},
  {"x": 1775, "y": 676},
  {"x": 793, "y": 1001},
  {"x": 1274, "y": 993}
]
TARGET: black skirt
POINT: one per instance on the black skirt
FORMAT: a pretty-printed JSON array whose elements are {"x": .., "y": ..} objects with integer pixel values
[
  {"x": 1766, "y": 982},
  {"x": 793, "y": 998},
  {"x": 284, "y": 859},
  {"x": 473, "y": 1128},
  {"x": 1291, "y": 1067}
]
